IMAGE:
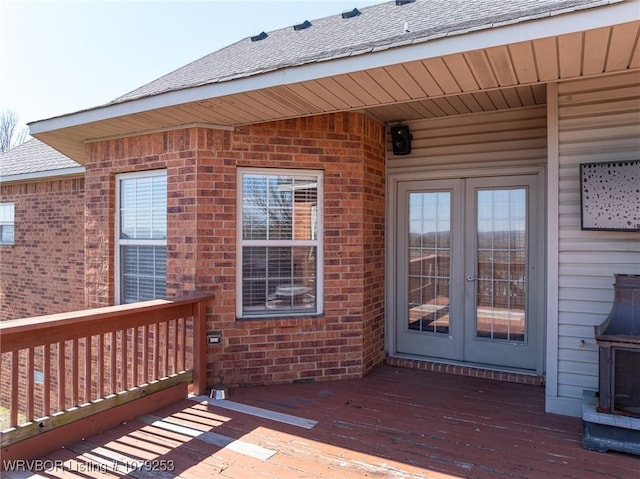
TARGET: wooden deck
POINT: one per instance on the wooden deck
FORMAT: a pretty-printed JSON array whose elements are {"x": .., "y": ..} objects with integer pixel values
[{"x": 395, "y": 423}]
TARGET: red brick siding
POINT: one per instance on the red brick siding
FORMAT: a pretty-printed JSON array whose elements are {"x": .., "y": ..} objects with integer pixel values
[
  {"x": 174, "y": 151},
  {"x": 43, "y": 272},
  {"x": 347, "y": 340},
  {"x": 374, "y": 247}
]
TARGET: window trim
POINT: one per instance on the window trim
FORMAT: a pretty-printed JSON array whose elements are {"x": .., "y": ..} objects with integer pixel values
[
  {"x": 318, "y": 242},
  {"x": 129, "y": 242},
  {"x": 9, "y": 223}
]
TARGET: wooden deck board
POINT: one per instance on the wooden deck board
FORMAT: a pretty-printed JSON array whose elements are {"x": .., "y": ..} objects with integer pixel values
[{"x": 396, "y": 423}]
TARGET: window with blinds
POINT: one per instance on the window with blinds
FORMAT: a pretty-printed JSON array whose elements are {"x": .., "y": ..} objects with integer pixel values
[
  {"x": 280, "y": 242},
  {"x": 141, "y": 236},
  {"x": 7, "y": 223}
]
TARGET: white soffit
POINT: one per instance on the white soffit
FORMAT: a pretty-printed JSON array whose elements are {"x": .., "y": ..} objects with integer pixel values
[{"x": 455, "y": 42}]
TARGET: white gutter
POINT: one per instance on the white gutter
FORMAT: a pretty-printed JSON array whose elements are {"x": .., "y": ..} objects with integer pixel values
[
  {"x": 38, "y": 175},
  {"x": 558, "y": 23}
]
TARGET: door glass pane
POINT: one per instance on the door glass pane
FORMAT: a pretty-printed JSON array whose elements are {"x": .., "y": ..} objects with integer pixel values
[
  {"x": 429, "y": 266},
  {"x": 501, "y": 264}
]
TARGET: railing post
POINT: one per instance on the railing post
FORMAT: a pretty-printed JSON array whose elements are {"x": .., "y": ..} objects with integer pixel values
[{"x": 199, "y": 349}]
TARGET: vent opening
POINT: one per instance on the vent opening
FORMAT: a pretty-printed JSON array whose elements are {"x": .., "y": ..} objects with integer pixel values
[
  {"x": 351, "y": 13},
  {"x": 302, "y": 26},
  {"x": 260, "y": 36}
]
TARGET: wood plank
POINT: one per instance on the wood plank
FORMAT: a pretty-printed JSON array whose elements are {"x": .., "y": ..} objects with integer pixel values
[
  {"x": 101, "y": 365},
  {"x": 156, "y": 351},
  {"x": 46, "y": 371},
  {"x": 145, "y": 353},
  {"x": 15, "y": 387},
  {"x": 76, "y": 413},
  {"x": 395, "y": 422},
  {"x": 457, "y": 103},
  {"x": 445, "y": 105},
  {"x": 62, "y": 379},
  {"x": 297, "y": 100},
  {"x": 239, "y": 446},
  {"x": 183, "y": 344},
  {"x": 441, "y": 74},
  {"x": 512, "y": 98},
  {"x": 460, "y": 70},
  {"x": 104, "y": 414},
  {"x": 502, "y": 65},
  {"x": 570, "y": 62},
  {"x": 302, "y": 91},
  {"x": 400, "y": 74},
  {"x": 319, "y": 90},
  {"x": 124, "y": 362},
  {"x": 596, "y": 45},
  {"x": 389, "y": 84},
  {"x": 471, "y": 103},
  {"x": 135, "y": 355},
  {"x": 29, "y": 385},
  {"x": 74, "y": 372},
  {"x": 332, "y": 87},
  {"x": 484, "y": 101},
  {"x": 421, "y": 75},
  {"x": 256, "y": 411},
  {"x": 77, "y": 324},
  {"x": 624, "y": 40},
  {"x": 498, "y": 99},
  {"x": 426, "y": 109},
  {"x": 525, "y": 94},
  {"x": 113, "y": 356},
  {"x": 481, "y": 68},
  {"x": 524, "y": 64},
  {"x": 545, "y": 51},
  {"x": 175, "y": 344},
  {"x": 165, "y": 348},
  {"x": 88, "y": 370},
  {"x": 199, "y": 349}
]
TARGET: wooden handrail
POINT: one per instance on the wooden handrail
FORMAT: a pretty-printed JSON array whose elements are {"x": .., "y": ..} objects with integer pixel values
[
  {"x": 18, "y": 333},
  {"x": 87, "y": 355}
]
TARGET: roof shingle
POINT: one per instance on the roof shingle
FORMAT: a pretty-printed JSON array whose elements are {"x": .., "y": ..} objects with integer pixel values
[
  {"x": 33, "y": 156},
  {"x": 378, "y": 27}
]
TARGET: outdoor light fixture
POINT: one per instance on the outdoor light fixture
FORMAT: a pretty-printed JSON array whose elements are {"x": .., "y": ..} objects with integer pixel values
[{"x": 401, "y": 139}]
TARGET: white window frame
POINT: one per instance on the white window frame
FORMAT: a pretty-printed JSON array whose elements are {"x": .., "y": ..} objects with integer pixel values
[
  {"x": 317, "y": 241},
  {"x": 9, "y": 221},
  {"x": 130, "y": 242}
]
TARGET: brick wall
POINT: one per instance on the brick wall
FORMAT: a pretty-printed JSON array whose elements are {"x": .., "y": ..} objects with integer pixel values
[
  {"x": 201, "y": 165},
  {"x": 43, "y": 272}
]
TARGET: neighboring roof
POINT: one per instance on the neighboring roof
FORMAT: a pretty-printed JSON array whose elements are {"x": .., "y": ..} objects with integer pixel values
[
  {"x": 378, "y": 27},
  {"x": 32, "y": 159}
]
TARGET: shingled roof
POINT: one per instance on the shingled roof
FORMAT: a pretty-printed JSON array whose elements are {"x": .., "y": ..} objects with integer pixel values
[
  {"x": 34, "y": 156},
  {"x": 379, "y": 27}
]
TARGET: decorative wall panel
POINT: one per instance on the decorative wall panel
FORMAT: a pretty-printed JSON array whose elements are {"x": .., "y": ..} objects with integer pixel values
[{"x": 610, "y": 195}]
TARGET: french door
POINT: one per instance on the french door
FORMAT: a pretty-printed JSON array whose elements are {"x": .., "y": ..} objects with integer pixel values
[{"x": 468, "y": 270}]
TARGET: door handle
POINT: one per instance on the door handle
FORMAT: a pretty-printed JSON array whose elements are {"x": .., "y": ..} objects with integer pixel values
[{"x": 471, "y": 278}]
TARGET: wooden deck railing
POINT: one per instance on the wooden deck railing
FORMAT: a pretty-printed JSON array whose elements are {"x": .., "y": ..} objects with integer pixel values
[{"x": 79, "y": 363}]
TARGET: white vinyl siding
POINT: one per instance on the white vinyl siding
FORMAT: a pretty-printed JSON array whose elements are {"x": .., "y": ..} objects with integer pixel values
[
  {"x": 508, "y": 138},
  {"x": 599, "y": 120},
  {"x": 7, "y": 223},
  {"x": 141, "y": 236}
]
